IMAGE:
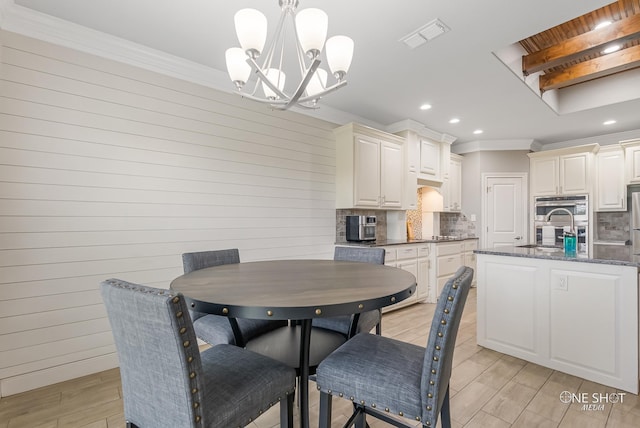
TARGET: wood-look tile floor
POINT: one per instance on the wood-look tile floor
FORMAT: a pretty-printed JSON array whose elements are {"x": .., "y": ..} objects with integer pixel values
[{"x": 488, "y": 389}]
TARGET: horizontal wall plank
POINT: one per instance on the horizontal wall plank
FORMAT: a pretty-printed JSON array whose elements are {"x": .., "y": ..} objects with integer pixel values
[{"x": 107, "y": 170}]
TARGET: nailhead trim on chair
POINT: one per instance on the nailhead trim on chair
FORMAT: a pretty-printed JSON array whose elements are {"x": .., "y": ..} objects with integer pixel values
[
  {"x": 438, "y": 347},
  {"x": 434, "y": 366}
]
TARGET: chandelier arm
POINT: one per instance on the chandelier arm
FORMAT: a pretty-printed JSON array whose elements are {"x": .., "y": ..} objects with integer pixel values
[
  {"x": 273, "y": 103},
  {"x": 268, "y": 57},
  {"x": 299, "y": 51},
  {"x": 323, "y": 93},
  {"x": 303, "y": 84},
  {"x": 266, "y": 80}
]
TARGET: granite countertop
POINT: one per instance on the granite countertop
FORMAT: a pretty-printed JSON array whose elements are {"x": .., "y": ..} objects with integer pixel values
[
  {"x": 603, "y": 254},
  {"x": 387, "y": 242}
]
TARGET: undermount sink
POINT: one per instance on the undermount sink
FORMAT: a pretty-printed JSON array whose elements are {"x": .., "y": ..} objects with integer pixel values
[{"x": 543, "y": 249}]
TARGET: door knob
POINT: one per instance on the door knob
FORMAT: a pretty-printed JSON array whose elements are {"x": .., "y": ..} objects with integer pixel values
[{"x": 517, "y": 238}]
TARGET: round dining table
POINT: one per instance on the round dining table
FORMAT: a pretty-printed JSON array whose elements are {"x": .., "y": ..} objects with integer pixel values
[{"x": 299, "y": 290}]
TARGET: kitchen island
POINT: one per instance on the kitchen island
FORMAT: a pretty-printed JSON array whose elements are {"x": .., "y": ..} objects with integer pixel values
[{"x": 575, "y": 314}]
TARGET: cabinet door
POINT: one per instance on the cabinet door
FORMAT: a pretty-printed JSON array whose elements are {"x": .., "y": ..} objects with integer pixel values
[
  {"x": 391, "y": 175},
  {"x": 632, "y": 156},
  {"x": 410, "y": 266},
  {"x": 610, "y": 185},
  {"x": 573, "y": 174},
  {"x": 367, "y": 172},
  {"x": 455, "y": 185},
  {"x": 429, "y": 158},
  {"x": 544, "y": 176},
  {"x": 424, "y": 265}
]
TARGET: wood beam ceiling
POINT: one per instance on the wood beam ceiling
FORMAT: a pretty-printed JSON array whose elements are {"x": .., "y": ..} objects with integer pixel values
[{"x": 572, "y": 52}]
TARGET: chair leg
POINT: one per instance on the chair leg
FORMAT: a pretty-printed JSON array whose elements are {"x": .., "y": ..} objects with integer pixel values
[
  {"x": 445, "y": 413},
  {"x": 379, "y": 325},
  {"x": 286, "y": 412},
  {"x": 325, "y": 410},
  {"x": 361, "y": 419}
]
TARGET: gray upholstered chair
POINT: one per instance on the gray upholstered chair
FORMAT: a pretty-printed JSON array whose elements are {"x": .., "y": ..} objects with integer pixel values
[
  {"x": 349, "y": 325},
  {"x": 216, "y": 329},
  {"x": 383, "y": 376},
  {"x": 167, "y": 382}
]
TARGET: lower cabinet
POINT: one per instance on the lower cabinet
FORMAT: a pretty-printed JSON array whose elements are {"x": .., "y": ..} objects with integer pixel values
[
  {"x": 578, "y": 318},
  {"x": 432, "y": 264},
  {"x": 470, "y": 258},
  {"x": 449, "y": 257}
]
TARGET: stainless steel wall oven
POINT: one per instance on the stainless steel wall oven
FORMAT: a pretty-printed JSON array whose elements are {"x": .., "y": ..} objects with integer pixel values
[{"x": 555, "y": 215}]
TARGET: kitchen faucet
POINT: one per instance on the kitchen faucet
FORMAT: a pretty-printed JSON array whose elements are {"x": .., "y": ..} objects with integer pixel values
[{"x": 572, "y": 230}]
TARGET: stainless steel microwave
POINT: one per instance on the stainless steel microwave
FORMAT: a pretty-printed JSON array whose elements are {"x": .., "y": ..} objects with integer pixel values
[
  {"x": 361, "y": 228},
  {"x": 547, "y": 206}
]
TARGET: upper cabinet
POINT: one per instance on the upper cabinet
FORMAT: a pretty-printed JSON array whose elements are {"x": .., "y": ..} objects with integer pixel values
[
  {"x": 429, "y": 159},
  {"x": 562, "y": 172},
  {"x": 370, "y": 168},
  {"x": 632, "y": 158},
  {"x": 610, "y": 179},
  {"x": 452, "y": 187},
  {"x": 428, "y": 154}
]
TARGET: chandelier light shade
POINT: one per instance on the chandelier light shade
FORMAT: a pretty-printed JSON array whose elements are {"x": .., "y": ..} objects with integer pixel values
[
  {"x": 237, "y": 66},
  {"x": 277, "y": 78},
  {"x": 339, "y": 54},
  {"x": 267, "y": 60},
  {"x": 311, "y": 26},
  {"x": 251, "y": 29}
]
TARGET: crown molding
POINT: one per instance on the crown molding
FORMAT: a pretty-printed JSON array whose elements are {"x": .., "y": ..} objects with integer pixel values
[
  {"x": 494, "y": 145},
  {"x": 420, "y": 129},
  {"x": 31, "y": 23}
]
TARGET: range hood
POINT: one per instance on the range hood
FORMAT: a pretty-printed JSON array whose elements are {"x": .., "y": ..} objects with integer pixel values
[{"x": 423, "y": 182}]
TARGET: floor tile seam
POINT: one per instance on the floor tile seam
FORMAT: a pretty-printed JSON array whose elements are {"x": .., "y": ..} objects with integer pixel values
[{"x": 523, "y": 408}]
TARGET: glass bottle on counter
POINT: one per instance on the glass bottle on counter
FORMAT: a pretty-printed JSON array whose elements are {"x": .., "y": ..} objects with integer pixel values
[{"x": 570, "y": 243}]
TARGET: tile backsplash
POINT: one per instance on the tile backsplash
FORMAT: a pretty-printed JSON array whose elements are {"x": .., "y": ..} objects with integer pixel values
[
  {"x": 341, "y": 223},
  {"x": 613, "y": 226},
  {"x": 456, "y": 224}
]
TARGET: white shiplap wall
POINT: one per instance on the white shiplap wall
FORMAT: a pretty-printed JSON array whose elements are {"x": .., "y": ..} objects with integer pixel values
[{"x": 107, "y": 170}]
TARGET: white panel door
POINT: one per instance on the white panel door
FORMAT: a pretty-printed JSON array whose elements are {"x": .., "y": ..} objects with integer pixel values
[
  {"x": 505, "y": 211},
  {"x": 430, "y": 158},
  {"x": 544, "y": 176},
  {"x": 367, "y": 172},
  {"x": 573, "y": 174},
  {"x": 391, "y": 175},
  {"x": 610, "y": 185}
]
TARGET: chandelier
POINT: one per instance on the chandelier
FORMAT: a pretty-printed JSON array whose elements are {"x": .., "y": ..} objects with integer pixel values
[{"x": 310, "y": 31}]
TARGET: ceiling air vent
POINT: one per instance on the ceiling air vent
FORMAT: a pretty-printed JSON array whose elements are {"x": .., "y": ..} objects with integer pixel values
[{"x": 424, "y": 34}]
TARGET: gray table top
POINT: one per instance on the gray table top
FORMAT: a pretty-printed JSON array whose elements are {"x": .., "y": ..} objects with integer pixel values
[{"x": 294, "y": 289}]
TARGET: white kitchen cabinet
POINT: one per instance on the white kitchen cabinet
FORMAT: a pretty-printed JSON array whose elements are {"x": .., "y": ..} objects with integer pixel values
[
  {"x": 632, "y": 160},
  {"x": 429, "y": 159},
  {"x": 563, "y": 171},
  {"x": 452, "y": 187},
  {"x": 370, "y": 168},
  {"x": 610, "y": 179},
  {"x": 469, "y": 258},
  {"x": 449, "y": 257},
  {"x": 426, "y": 290},
  {"x": 432, "y": 264},
  {"x": 578, "y": 318}
]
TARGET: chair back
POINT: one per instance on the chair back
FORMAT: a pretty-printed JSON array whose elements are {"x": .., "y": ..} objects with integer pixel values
[
  {"x": 360, "y": 254},
  {"x": 159, "y": 358},
  {"x": 438, "y": 357},
  {"x": 204, "y": 259}
]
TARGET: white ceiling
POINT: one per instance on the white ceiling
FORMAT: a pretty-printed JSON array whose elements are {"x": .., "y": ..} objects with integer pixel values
[{"x": 457, "y": 73}]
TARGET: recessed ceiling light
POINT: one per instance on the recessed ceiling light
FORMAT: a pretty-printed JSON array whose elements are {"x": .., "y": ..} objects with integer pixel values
[
  {"x": 609, "y": 122},
  {"x": 478, "y": 131},
  {"x": 611, "y": 48},
  {"x": 425, "y": 106},
  {"x": 454, "y": 120},
  {"x": 602, "y": 25}
]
